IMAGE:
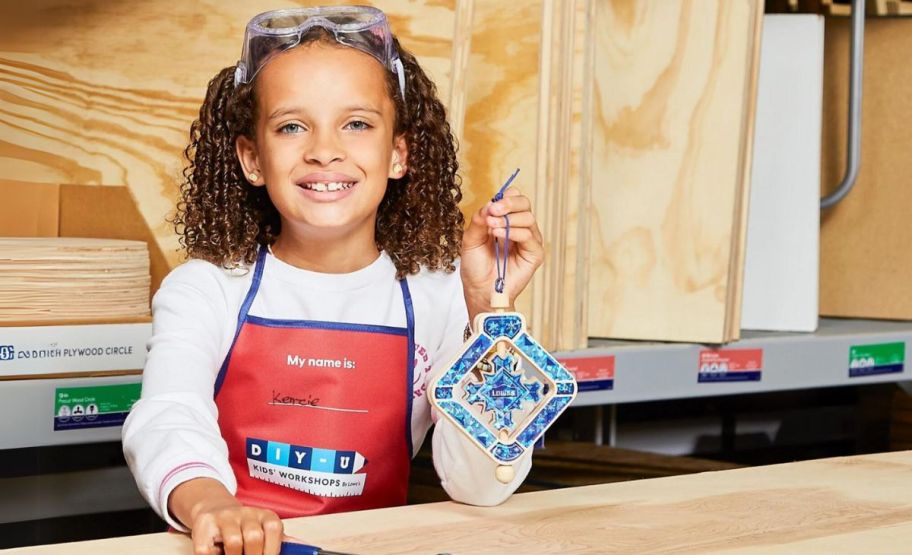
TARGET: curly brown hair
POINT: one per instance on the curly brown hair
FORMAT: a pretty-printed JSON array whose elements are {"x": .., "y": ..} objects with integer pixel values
[{"x": 223, "y": 219}]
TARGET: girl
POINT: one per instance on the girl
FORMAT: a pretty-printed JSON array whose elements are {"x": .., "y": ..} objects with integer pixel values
[{"x": 287, "y": 371}]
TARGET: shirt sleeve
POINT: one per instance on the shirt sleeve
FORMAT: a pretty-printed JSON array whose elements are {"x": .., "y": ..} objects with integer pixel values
[
  {"x": 466, "y": 473},
  {"x": 172, "y": 433}
]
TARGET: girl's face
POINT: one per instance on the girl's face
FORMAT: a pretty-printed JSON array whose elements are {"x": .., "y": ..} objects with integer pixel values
[{"x": 324, "y": 145}]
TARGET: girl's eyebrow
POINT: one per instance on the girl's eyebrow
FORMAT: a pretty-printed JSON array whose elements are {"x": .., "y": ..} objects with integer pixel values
[
  {"x": 361, "y": 108},
  {"x": 281, "y": 112}
]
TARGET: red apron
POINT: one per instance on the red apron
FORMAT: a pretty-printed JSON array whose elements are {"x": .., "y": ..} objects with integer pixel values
[{"x": 317, "y": 415}]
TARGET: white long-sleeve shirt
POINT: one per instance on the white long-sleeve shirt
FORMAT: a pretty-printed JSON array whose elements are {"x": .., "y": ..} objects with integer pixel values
[{"x": 172, "y": 433}]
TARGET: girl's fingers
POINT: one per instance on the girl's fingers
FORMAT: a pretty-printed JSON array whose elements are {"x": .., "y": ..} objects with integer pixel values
[
  {"x": 254, "y": 537},
  {"x": 517, "y": 220},
  {"x": 512, "y": 192},
  {"x": 510, "y": 204},
  {"x": 476, "y": 234},
  {"x": 232, "y": 538},
  {"x": 204, "y": 535},
  {"x": 530, "y": 246},
  {"x": 274, "y": 529}
]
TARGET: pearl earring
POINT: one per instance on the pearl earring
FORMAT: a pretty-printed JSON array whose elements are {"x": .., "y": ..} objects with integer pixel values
[
  {"x": 252, "y": 176},
  {"x": 397, "y": 168}
]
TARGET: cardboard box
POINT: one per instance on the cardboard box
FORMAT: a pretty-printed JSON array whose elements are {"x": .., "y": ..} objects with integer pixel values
[{"x": 75, "y": 348}]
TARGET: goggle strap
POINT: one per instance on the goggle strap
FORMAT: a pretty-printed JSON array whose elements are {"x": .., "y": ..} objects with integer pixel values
[
  {"x": 400, "y": 72},
  {"x": 240, "y": 74}
]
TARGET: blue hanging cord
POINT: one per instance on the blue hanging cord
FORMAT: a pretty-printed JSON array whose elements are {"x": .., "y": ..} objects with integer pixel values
[
  {"x": 503, "y": 187},
  {"x": 501, "y": 263}
]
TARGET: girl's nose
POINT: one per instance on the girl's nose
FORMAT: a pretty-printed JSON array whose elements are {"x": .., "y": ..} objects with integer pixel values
[{"x": 324, "y": 149}]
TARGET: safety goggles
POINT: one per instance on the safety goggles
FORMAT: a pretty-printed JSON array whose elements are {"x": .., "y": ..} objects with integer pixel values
[{"x": 360, "y": 27}]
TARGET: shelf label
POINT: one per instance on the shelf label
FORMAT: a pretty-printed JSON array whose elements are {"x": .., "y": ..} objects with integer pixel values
[
  {"x": 93, "y": 407},
  {"x": 730, "y": 365},
  {"x": 591, "y": 373},
  {"x": 37, "y": 350},
  {"x": 881, "y": 358}
]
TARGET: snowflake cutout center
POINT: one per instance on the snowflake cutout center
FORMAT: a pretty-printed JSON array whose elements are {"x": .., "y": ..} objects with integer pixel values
[{"x": 503, "y": 390}]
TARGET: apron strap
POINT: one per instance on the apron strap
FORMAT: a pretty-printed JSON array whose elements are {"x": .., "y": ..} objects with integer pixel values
[
  {"x": 242, "y": 313},
  {"x": 410, "y": 378},
  {"x": 254, "y": 287}
]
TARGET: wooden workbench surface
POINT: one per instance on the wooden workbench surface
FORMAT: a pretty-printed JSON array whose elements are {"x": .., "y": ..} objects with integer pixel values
[{"x": 846, "y": 505}]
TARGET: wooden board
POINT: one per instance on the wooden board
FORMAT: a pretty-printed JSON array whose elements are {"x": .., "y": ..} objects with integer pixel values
[
  {"x": 525, "y": 89},
  {"x": 103, "y": 93},
  {"x": 782, "y": 252},
  {"x": 568, "y": 464},
  {"x": 840, "y": 7},
  {"x": 864, "y": 240},
  {"x": 565, "y": 171},
  {"x": 674, "y": 103},
  {"x": 500, "y": 99},
  {"x": 52, "y": 278},
  {"x": 845, "y": 505}
]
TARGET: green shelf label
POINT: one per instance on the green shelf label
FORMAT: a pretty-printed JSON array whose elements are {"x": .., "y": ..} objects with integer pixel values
[
  {"x": 880, "y": 358},
  {"x": 93, "y": 407}
]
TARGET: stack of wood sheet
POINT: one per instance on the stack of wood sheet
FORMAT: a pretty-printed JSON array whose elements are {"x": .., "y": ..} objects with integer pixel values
[
  {"x": 864, "y": 240},
  {"x": 675, "y": 87},
  {"x": 872, "y": 7},
  {"x": 520, "y": 99},
  {"x": 839, "y": 7},
  {"x": 63, "y": 278}
]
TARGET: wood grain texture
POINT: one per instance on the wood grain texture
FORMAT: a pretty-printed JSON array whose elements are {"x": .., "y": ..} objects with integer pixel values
[
  {"x": 864, "y": 240},
  {"x": 569, "y": 464},
  {"x": 675, "y": 88},
  {"x": 95, "y": 92},
  {"x": 845, "y": 505},
  {"x": 501, "y": 103},
  {"x": 51, "y": 278},
  {"x": 565, "y": 171},
  {"x": 525, "y": 91}
]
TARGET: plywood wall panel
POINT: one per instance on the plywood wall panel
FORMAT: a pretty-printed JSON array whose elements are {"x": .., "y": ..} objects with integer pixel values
[
  {"x": 501, "y": 101},
  {"x": 675, "y": 86},
  {"x": 524, "y": 94},
  {"x": 565, "y": 175},
  {"x": 103, "y": 92}
]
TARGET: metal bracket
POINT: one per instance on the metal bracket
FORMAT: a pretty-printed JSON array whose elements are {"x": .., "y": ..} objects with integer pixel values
[{"x": 853, "y": 146}]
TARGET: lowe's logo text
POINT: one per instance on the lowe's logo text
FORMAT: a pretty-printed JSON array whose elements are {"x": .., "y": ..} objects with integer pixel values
[{"x": 7, "y": 352}]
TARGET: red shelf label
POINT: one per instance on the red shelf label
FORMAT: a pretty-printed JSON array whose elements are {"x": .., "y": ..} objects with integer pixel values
[
  {"x": 730, "y": 365},
  {"x": 591, "y": 373}
]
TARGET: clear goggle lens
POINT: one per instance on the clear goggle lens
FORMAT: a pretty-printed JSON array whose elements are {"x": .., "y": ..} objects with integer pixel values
[{"x": 360, "y": 27}]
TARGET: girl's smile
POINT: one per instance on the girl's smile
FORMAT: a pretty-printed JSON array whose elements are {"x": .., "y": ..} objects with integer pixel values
[{"x": 326, "y": 186}]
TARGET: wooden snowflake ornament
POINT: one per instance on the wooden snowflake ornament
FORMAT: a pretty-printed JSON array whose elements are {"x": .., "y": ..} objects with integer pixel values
[{"x": 503, "y": 390}]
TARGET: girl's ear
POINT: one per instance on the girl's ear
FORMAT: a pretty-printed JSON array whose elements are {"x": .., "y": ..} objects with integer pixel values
[
  {"x": 247, "y": 154},
  {"x": 399, "y": 159}
]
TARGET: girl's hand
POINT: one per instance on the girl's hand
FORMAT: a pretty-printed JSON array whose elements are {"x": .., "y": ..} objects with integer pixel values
[
  {"x": 220, "y": 524},
  {"x": 478, "y": 266}
]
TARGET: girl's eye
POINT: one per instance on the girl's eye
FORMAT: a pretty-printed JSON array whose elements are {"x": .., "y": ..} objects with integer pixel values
[
  {"x": 358, "y": 125},
  {"x": 291, "y": 128}
]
